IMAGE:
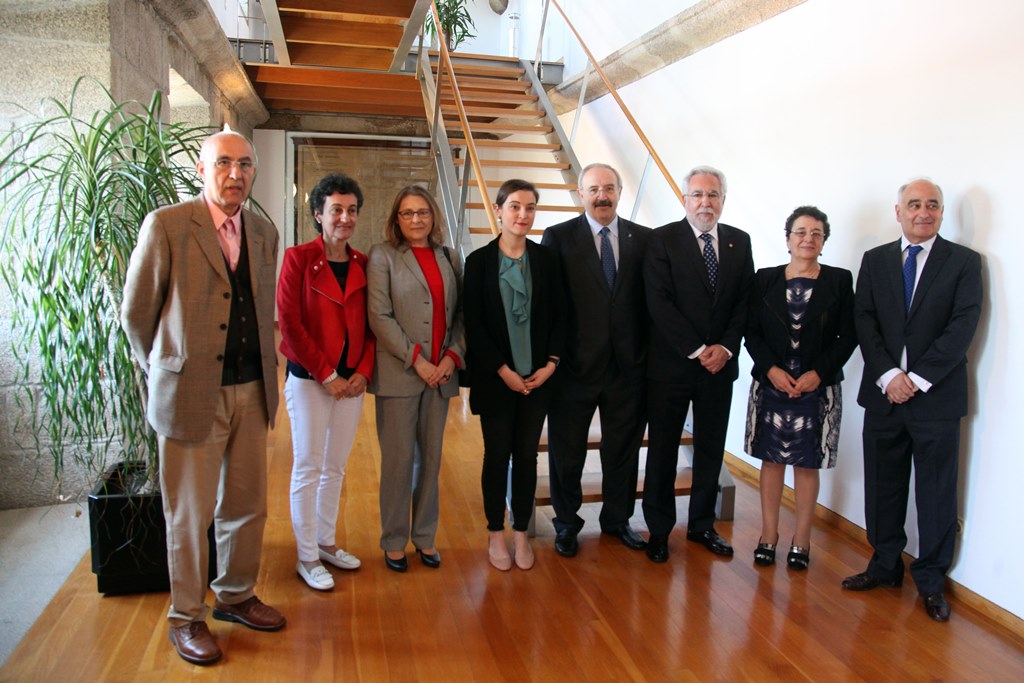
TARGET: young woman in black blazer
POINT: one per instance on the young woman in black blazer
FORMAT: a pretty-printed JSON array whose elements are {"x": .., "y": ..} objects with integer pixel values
[
  {"x": 800, "y": 333},
  {"x": 515, "y": 313}
]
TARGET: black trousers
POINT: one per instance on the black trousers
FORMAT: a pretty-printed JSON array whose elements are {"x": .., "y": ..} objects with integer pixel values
[
  {"x": 512, "y": 434},
  {"x": 668, "y": 404},
  {"x": 620, "y": 398},
  {"x": 891, "y": 443}
]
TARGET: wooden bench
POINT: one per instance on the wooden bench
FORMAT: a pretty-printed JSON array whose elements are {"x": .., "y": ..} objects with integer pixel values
[{"x": 591, "y": 481}]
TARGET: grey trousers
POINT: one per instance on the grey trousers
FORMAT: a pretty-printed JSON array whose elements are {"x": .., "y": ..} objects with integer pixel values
[{"x": 410, "y": 430}]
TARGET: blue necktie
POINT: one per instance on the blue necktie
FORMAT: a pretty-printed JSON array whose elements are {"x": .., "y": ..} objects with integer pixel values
[
  {"x": 710, "y": 260},
  {"x": 910, "y": 274},
  {"x": 607, "y": 258}
]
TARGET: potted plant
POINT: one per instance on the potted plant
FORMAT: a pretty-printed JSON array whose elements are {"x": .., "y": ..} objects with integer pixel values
[
  {"x": 74, "y": 189},
  {"x": 456, "y": 23}
]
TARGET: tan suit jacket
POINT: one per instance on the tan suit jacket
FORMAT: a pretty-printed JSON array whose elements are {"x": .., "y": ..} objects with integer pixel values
[
  {"x": 401, "y": 312},
  {"x": 177, "y": 301}
]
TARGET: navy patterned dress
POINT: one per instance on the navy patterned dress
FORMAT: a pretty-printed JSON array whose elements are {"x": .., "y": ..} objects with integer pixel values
[{"x": 803, "y": 431}]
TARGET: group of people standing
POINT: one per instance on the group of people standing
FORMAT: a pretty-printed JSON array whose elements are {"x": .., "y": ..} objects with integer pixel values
[{"x": 603, "y": 315}]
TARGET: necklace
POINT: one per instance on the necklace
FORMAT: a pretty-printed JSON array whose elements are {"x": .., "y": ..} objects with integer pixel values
[{"x": 791, "y": 272}]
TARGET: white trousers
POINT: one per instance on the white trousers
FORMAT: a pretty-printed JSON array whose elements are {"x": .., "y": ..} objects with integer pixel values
[{"x": 322, "y": 434}]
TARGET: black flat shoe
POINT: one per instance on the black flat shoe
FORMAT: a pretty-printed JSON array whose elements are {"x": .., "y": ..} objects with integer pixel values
[
  {"x": 657, "y": 548},
  {"x": 936, "y": 606},
  {"x": 566, "y": 543},
  {"x": 798, "y": 557},
  {"x": 764, "y": 554},
  {"x": 866, "y": 582},
  {"x": 710, "y": 540},
  {"x": 432, "y": 561},
  {"x": 399, "y": 566},
  {"x": 630, "y": 538}
]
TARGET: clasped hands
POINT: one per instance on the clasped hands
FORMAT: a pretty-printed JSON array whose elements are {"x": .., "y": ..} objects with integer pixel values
[
  {"x": 713, "y": 358},
  {"x": 434, "y": 375},
  {"x": 524, "y": 385},
  {"x": 340, "y": 388},
  {"x": 900, "y": 389},
  {"x": 784, "y": 382}
]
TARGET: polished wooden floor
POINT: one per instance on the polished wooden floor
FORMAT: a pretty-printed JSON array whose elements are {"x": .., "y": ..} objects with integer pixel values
[{"x": 607, "y": 615}]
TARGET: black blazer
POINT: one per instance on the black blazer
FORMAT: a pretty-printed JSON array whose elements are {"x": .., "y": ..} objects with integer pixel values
[
  {"x": 684, "y": 313},
  {"x": 936, "y": 332},
  {"x": 827, "y": 334},
  {"x": 487, "y": 342},
  {"x": 604, "y": 325}
]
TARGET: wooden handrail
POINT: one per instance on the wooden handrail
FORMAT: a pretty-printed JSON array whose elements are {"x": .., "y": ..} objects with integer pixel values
[
  {"x": 622, "y": 105},
  {"x": 463, "y": 119}
]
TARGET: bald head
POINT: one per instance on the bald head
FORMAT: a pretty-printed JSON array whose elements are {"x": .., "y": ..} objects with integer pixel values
[
  {"x": 227, "y": 165},
  {"x": 919, "y": 210}
]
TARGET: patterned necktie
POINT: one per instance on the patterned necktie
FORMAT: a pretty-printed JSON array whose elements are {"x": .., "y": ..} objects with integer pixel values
[
  {"x": 910, "y": 274},
  {"x": 607, "y": 258},
  {"x": 710, "y": 260}
]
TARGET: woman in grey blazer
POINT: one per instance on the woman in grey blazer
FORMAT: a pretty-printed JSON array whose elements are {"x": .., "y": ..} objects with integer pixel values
[{"x": 414, "y": 290}]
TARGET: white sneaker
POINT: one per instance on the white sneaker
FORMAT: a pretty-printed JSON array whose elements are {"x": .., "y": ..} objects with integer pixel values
[
  {"x": 317, "y": 578},
  {"x": 340, "y": 559}
]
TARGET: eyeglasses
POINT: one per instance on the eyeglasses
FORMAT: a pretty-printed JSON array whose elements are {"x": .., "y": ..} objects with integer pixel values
[
  {"x": 409, "y": 214},
  {"x": 814, "y": 234},
  {"x": 224, "y": 165},
  {"x": 699, "y": 196}
]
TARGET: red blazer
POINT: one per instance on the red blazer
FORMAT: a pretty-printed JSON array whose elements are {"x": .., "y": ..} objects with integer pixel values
[{"x": 316, "y": 318}]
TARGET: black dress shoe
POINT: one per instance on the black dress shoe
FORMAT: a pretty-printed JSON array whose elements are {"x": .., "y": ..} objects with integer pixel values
[
  {"x": 657, "y": 548},
  {"x": 566, "y": 544},
  {"x": 936, "y": 606},
  {"x": 432, "y": 561},
  {"x": 399, "y": 565},
  {"x": 865, "y": 582},
  {"x": 629, "y": 538},
  {"x": 710, "y": 540}
]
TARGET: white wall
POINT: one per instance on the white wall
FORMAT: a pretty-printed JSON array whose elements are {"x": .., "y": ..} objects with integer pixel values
[{"x": 836, "y": 104}]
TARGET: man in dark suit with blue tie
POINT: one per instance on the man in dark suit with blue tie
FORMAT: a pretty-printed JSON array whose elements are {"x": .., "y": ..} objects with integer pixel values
[
  {"x": 914, "y": 391},
  {"x": 698, "y": 273},
  {"x": 603, "y": 368}
]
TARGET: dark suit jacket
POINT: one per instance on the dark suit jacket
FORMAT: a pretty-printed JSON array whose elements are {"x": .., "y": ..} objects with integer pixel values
[
  {"x": 177, "y": 301},
  {"x": 603, "y": 325},
  {"x": 684, "y": 312},
  {"x": 936, "y": 332},
  {"x": 487, "y": 341},
  {"x": 827, "y": 333}
]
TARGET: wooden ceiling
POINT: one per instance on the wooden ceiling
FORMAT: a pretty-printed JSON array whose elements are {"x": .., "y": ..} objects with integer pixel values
[{"x": 341, "y": 57}]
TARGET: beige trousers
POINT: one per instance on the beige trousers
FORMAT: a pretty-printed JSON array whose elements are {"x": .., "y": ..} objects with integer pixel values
[{"x": 222, "y": 479}]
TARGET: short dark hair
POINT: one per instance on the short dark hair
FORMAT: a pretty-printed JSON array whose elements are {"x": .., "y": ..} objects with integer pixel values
[
  {"x": 332, "y": 183},
  {"x": 393, "y": 232},
  {"x": 515, "y": 185},
  {"x": 811, "y": 212}
]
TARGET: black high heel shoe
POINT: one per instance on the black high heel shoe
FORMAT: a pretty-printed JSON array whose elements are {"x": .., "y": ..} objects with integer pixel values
[
  {"x": 798, "y": 557},
  {"x": 764, "y": 554},
  {"x": 400, "y": 565},
  {"x": 432, "y": 561}
]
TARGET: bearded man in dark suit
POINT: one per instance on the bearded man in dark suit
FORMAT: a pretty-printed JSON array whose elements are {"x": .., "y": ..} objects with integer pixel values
[
  {"x": 698, "y": 274},
  {"x": 917, "y": 306},
  {"x": 602, "y": 257}
]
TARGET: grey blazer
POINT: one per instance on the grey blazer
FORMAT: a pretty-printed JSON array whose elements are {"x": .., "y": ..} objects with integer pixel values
[
  {"x": 177, "y": 301},
  {"x": 400, "y": 311}
]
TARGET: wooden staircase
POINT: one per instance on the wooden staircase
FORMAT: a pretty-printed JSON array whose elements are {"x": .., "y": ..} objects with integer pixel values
[{"x": 513, "y": 135}]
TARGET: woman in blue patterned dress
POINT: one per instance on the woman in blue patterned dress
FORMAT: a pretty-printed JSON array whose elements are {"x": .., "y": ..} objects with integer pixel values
[{"x": 800, "y": 333}]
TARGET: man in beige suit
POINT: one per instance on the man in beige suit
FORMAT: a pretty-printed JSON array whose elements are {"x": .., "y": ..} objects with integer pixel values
[{"x": 199, "y": 313}]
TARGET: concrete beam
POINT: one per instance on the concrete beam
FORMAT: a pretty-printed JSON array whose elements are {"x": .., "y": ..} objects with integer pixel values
[
  {"x": 197, "y": 28},
  {"x": 690, "y": 31}
]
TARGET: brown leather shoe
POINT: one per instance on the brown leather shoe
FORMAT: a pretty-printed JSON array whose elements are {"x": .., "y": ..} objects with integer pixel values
[
  {"x": 195, "y": 643},
  {"x": 252, "y": 613}
]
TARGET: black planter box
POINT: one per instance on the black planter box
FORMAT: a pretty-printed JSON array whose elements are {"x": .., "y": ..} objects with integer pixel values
[{"x": 129, "y": 539}]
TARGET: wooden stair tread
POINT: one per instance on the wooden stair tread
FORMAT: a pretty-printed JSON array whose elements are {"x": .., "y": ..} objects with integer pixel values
[
  {"x": 447, "y": 99},
  {"x": 470, "y": 55},
  {"x": 467, "y": 83},
  {"x": 590, "y": 483},
  {"x": 499, "y": 128},
  {"x": 513, "y": 163},
  {"x": 540, "y": 186},
  {"x": 494, "y": 112},
  {"x": 508, "y": 144},
  {"x": 509, "y": 73}
]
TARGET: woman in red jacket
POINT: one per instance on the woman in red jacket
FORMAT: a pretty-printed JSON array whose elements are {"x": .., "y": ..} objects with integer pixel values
[{"x": 321, "y": 303}]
